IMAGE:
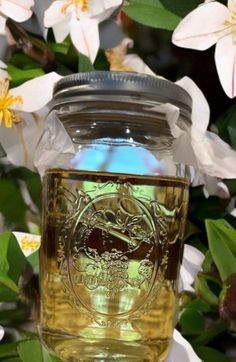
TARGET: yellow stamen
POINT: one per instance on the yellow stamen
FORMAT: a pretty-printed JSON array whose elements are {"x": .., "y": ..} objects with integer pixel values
[
  {"x": 231, "y": 21},
  {"x": 6, "y": 101},
  {"x": 29, "y": 244},
  {"x": 81, "y": 5}
]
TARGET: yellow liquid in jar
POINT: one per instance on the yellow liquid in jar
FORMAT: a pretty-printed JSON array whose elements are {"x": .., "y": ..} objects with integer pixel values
[{"x": 109, "y": 264}]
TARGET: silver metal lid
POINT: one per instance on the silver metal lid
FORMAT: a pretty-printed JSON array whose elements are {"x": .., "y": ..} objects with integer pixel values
[{"x": 125, "y": 83}]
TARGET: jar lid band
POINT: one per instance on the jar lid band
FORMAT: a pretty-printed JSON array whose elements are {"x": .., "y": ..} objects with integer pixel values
[{"x": 125, "y": 83}]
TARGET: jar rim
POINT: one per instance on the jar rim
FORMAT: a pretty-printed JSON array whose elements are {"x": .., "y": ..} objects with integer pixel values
[{"x": 122, "y": 83}]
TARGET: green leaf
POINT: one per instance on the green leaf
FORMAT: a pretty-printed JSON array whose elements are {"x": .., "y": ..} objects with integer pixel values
[
  {"x": 12, "y": 261},
  {"x": 12, "y": 315},
  {"x": 231, "y": 184},
  {"x": 190, "y": 230},
  {"x": 30, "y": 350},
  {"x": 53, "y": 359},
  {"x": 23, "y": 61},
  {"x": 19, "y": 76},
  {"x": 199, "y": 305},
  {"x": 10, "y": 196},
  {"x": 151, "y": 13},
  {"x": 8, "y": 350},
  {"x": 85, "y": 64},
  {"x": 4, "y": 242},
  {"x": 191, "y": 321},
  {"x": 47, "y": 357},
  {"x": 180, "y": 7},
  {"x": 33, "y": 259},
  {"x": 205, "y": 291},
  {"x": 227, "y": 127},
  {"x": 211, "y": 332},
  {"x": 11, "y": 257},
  {"x": 16, "y": 259},
  {"x": 101, "y": 62},
  {"x": 221, "y": 239},
  {"x": 196, "y": 241},
  {"x": 201, "y": 208},
  {"x": 7, "y": 295},
  {"x": 5, "y": 280},
  {"x": 60, "y": 48},
  {"x": 208, "y": 263},
  {"x": 208, "y": 354},
  {"x": 232, "y": 135}
]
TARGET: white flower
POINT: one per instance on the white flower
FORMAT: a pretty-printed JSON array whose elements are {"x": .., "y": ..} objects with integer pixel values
[
  {"x": 80, "y": 19},
  {"x": 197, "y": 147},
  {"x": 18, "y": 10},
  {"x": 211, "y": 158},
  {"x": 3, "y": 71},
  {"x": 17, "y": 109},
  {"x": 215, "y": 187},
  {"x": 191, "y": 265},
  {"x": 135, "y": 62},
  {"x": 233, "y": 212},
  {"x": 181, "y": 350},
  {"x": 1, "y": 333},
  {"x": 211, "y": 23},
  {"x": 29, "y": 243}
]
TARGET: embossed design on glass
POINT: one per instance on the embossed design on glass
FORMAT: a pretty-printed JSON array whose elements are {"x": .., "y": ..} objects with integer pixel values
[{"x": 109, "y": 267}]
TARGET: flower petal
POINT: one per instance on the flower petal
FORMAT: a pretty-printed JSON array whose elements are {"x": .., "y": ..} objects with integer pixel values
[
  {"x": 3, "y": 65},
  {"x": 28, "y": 3},
  {"x": 193, "y": 256},
  {"x": 210, "y": 155},
  {"x": 201, "y": 28},
  {"x": 215, "y": 187},
  {"x": 191, "y": 265},
  {"x": 29, "y": 243},
  {"x": 102, "y": 9},
  {"x": 112, "y": 3},
  {"x": 37, "y": 92},
  {"x": 214, "y": 156},
  {"x": 17, "y": 10},
  {"x": 200, "y": 107},
  {"x": 137, "y": 64},
  {"x": 85, "y": 36},
  {"x": 225, "y": 58},
  {"x": 55, "y": 148},
  {"x": 61, "y": 30},
  {"x": 2, "y": 25},
  {"x": 96, "y": 7},
  {"x": 183, "y": 150},
  {"x": 20, "y": 141},
  {"x": 233, "y": 212},
  {"x": 1, "y": 333},
  {"x": 54, "y": 15},
  {"x": 3, "y": 72},
  {"x": 231, "y": 4},
  {"x": 181, "y": 350}
]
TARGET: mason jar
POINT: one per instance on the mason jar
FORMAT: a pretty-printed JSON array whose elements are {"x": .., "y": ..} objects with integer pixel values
[{"x": 114, "y": 213}]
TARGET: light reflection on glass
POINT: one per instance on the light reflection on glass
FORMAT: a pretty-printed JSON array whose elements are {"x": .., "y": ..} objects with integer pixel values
[{"x": 117, "y": 159}]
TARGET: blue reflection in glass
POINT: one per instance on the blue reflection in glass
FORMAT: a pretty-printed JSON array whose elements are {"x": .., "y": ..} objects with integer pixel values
[{"x": 118, "y": 158}]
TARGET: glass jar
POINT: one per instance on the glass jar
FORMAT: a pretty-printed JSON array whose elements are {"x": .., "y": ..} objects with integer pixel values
[{"x": 114, "y": 212}]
